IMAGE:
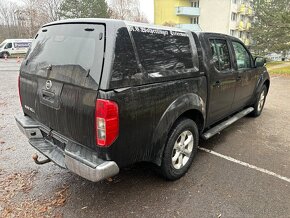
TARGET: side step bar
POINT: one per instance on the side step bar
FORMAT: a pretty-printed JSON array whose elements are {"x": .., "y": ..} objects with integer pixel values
[{"x": 211, "y": 132}]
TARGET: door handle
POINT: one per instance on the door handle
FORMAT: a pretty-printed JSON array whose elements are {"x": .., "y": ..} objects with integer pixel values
[
  {"x": 217, "y": 83},
  {"x": 48, "y": 96}
]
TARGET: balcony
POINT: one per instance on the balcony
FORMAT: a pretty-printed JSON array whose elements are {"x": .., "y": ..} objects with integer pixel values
[
  {"x": 242, "y": 9},
  {"x": 246, "y": 41},
  {"x": 248, "y": 26},
  {"x": 240, "y": 26},
  {"x": 191, "y": 27},
  {"x": 250, "y": 12},
  {"x": 187, "y": 11}
]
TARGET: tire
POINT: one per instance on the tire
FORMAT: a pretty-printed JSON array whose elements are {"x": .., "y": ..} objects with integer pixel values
[
  {"x": 5, "y": 55},
  {"x": 180, "y": 149},
  {"x": 260, "y": 102}
]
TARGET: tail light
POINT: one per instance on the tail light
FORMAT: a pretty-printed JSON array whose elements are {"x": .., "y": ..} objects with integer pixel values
[
  {"x": 107, "y": 122},
  {"x": 19, "y": 90}
]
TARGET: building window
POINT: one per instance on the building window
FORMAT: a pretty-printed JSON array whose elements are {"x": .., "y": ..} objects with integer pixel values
[
  {"x": 242, "y": 17},
  {"x": 235, "y": 1},
  {"x": 232, "y": 32},
  {"x": 195, "y": 20},
  {"x": 195, "y": 4},
  {"x": 240, "y": 34},
  {"x": 234, "y": 16}
]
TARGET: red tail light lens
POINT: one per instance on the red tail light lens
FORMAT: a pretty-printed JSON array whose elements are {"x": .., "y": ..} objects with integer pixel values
[
  {"x": 19, "y": 90},
  {"x": 107, "y": 122}
]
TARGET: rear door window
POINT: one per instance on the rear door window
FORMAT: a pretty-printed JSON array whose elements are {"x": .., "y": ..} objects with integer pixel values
[
  {"x": 164, "y": 53},
  {"x": 220, "y": 54}
]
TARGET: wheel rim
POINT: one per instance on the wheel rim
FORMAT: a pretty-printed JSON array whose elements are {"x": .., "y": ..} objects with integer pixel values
[
  {"x": 182, "y": 149},
  {"x": 5, "y": 55},
  {"x": 261, "y": 101}
]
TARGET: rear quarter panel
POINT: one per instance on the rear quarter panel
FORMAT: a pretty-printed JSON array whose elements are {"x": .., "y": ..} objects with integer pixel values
[{"x": 147, "y": 114}]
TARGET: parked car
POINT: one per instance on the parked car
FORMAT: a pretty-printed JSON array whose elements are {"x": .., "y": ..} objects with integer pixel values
[
  {"x": 14, "y": 46},
  {"x": 100, "y": 94}
]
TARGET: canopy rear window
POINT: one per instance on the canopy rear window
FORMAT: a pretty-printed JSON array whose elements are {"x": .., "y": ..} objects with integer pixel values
[{"x": 79, "y": 45}]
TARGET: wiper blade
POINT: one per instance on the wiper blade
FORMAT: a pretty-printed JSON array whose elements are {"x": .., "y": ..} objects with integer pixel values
[{"x": 88, "y": 72}]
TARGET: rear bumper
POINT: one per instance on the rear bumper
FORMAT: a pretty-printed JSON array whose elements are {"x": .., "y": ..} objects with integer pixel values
[{"x": 66, "y": 153}]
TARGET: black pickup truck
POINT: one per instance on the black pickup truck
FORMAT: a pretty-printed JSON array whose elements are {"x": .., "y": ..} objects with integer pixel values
[{"x": 100, "y": 94}]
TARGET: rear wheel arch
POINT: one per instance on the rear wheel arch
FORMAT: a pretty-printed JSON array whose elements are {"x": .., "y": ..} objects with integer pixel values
[
  {"x": 196, "y": 116},
  {"x": 192, "y": 109},
  {"x": 263, "y": 80}
]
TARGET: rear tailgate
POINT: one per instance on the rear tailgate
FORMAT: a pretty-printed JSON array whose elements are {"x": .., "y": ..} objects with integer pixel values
[{"x": 60, "y": 76}]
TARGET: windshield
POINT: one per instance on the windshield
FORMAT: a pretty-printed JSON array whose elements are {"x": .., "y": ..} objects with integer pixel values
[{"x": 2, "y": 44}]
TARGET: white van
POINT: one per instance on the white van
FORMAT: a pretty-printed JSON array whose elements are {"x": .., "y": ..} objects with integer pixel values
[{"x": 14, "y": 46}]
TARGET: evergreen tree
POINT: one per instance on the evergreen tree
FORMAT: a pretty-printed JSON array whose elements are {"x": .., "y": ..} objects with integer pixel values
[
  {"x": 84, "y": 9},
  {"x": 271, "y": 28}
]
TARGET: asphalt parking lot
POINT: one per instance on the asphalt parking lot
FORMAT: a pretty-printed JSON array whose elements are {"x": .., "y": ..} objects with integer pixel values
[{"x": 247, "y": 176}]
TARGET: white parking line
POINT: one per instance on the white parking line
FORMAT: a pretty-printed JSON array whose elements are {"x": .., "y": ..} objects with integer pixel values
[{"x": 246, "y": 164}]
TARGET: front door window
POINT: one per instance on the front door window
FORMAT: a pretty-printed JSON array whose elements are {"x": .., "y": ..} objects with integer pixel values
[
  {"x": 242, "y": 56},
  {"x": 8, "y": 45}
]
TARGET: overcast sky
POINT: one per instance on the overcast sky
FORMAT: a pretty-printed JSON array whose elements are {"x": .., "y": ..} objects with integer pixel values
[{"x": 147, "y": 6}]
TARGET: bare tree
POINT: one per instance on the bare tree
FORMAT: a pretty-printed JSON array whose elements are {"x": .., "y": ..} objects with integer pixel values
[
  {"x": 51, "y": 8},
  {"x": 8, "y": 20},
  {"x": 127, "y": 10},
  {"x": 139, "y": 16},
  {"x": 22, "y": 20},
  {"x": 5, "y": 13}
]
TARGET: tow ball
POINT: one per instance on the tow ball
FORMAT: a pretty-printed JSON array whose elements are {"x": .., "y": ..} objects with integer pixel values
[{"x": 40, "y": 162}]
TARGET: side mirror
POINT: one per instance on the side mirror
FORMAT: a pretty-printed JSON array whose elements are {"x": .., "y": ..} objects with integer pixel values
[{"x": 260, "y": 62}]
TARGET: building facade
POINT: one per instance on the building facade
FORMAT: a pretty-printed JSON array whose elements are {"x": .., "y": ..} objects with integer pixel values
[{"x": 232, "y": 17}]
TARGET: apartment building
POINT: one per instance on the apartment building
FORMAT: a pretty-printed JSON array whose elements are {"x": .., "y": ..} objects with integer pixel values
[{"x": 233, "y": 17}]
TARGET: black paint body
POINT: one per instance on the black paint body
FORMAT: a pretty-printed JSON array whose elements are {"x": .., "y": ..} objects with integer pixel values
[{"x": 155, "y": 75}]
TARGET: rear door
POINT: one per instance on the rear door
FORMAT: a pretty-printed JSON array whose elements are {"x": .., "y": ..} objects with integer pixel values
[
  {"x": 60, "y": 78},
  {"x": 246, "y": 75},
  {"x": 222, "y": 79}
]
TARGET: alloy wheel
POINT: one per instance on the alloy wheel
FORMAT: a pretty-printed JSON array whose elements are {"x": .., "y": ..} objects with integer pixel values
[{"x": 182, "y": 149}]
